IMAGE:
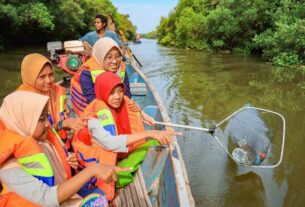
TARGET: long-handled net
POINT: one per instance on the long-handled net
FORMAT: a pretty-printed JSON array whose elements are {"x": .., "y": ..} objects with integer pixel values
[{"x": 251, "y": 136}]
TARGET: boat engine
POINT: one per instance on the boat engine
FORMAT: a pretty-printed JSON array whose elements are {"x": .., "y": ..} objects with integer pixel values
[{"x": 68, "y": 56}]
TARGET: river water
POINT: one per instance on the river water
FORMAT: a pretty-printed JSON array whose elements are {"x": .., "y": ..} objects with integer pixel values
[{"x": 199, "y": 88}]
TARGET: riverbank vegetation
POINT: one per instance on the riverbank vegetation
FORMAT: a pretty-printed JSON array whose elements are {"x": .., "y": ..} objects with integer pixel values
[
  {"x": 150, "y": 35},
  {"x": 275, "y": 29},
  {"x": 31, "y": 21}
]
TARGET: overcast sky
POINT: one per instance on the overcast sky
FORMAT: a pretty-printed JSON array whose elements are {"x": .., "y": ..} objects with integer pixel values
[{"x": 145, "y": 14}]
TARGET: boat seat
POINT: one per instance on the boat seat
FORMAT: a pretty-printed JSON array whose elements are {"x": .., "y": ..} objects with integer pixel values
[{"x": 137, "y": 85}]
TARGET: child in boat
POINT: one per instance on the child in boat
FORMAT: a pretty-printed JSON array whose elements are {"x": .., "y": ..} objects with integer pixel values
[
  {"x": 37, "y": 74},
  {"x": 114, "y": 127},
  {"x": 41, "y": 175}
]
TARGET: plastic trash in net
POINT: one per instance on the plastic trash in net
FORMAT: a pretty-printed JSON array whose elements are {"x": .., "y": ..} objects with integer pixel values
[{"x": 251, "y": 136}]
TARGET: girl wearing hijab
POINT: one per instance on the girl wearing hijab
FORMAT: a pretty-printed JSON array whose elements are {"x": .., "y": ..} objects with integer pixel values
[
  {"x": 126, "y": 127},
  {"x": 37, "y": 74},
  {"x": 33, "y": 167},
  {"x": 114, "y": 128}
]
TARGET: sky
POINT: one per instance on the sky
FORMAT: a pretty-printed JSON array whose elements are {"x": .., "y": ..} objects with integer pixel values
[{"x": 145, "y": 14}]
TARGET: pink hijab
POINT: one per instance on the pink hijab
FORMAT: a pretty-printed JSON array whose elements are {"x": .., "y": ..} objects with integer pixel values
[{"x": 20, "y": 111}]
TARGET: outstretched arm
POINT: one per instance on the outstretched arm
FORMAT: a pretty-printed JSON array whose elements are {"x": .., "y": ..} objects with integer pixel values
[{"x": 29, "y": 187}]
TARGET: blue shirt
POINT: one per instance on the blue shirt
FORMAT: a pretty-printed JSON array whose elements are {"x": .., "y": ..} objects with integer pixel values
[
  {"x": 87, "y": 85},
  {"x": 92, "y": 37}
]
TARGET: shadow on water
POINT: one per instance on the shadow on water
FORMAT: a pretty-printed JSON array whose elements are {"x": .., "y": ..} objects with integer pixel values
[
  {"x": 199, "y": 89},
  {"x": 246, "y": 183}
]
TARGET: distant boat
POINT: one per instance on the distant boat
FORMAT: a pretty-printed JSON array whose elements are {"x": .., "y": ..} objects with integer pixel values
[{"x": 136, "y": 41}]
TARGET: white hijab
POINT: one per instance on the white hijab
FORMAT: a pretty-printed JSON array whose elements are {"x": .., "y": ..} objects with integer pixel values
[
  {"x": 102, "y": 47},
  {"x": 21, "y": 110}
]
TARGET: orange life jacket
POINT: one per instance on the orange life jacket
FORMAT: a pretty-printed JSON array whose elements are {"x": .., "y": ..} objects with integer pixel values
[
  {"x": 94, "y": 153},
  {"x": 78, "y": 100},
  {"x": 11, "y": 199},
  {"x": 58, "y": 99},
  {"x": 59, "y": 104},
  {"x": 26, "y": 150}
]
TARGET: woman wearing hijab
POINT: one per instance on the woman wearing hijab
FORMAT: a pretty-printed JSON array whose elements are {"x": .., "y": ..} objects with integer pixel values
[
  {"x": 114, "y": 128},
  {"x": 39, "y": 175},
  {"x": 106, "y": 56},
  {"x": 37, "y": 74}
]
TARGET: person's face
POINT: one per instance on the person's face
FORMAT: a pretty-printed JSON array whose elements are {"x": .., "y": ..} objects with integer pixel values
[
  {"x": 45, "y": 79},
  {"x": 113, "y": 60},
  {"x": 41, "y": 131},
  {"x": 98, "y": 24},
  {"x": 116, "y": 97}
]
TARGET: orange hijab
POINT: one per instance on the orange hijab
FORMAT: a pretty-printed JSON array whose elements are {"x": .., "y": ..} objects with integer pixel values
[
  {"x": 104, "y": 84},
  {"x": 31, "y": 66}
]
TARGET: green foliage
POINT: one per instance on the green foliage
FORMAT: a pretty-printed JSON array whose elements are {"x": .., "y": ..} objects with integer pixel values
[
  {"x": 275, "y": 28},
  {"x": 126, "y": 26},
  {"x": 284, "y": 44},
  {"x": 41, "y": 20},
  {"x": 150, "y": 35},
  {"x": 188, "y": 26},
  {"x": 39, "y": 13},
  {"x": 286, "y": 59}
]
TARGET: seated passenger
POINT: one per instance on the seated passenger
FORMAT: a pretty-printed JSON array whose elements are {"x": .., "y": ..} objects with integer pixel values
[
  {"x": 40, "y": 174},
  {"x": 106, "y": 56},
  {"x": 37, "y": 74},
  {"x": 115, "y": 128},
  {"x": 100, "y": 24}
]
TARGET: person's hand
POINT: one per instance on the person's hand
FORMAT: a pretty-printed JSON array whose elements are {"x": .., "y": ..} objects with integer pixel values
[
  {"x": 108, "y": 172},
  {"x": 75, "y": 124},
  {"x": 163, "y": 137},
  {"x": 134, "y": 107},
  {"x": 147, "y": 119},
  {"x": 72, "y": 160}
]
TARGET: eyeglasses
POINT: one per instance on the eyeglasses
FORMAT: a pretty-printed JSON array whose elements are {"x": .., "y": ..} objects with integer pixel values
[{"x": 117, "y": 58}]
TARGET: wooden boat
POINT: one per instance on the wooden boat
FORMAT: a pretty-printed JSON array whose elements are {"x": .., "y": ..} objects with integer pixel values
[
  {"x": 163, "y": 168},
  {"x": 136, "y": 39}
]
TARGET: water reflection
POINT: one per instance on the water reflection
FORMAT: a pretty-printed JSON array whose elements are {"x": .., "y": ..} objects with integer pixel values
[{"x": 199, "y": 89}]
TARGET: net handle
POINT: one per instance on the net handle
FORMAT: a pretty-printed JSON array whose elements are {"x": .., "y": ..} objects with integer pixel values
[
  {"x": 212, "y": 130},
  {"x": 181, "y": 126}
]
